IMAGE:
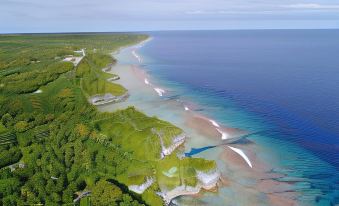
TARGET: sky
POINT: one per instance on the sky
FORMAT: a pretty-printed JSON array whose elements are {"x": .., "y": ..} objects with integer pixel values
[{"x": 30, "y": 16}]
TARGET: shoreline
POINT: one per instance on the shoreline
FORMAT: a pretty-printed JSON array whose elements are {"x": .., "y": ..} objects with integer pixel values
[
  {"x": 237, "y": 157},
  {"x": 206, "y": 181}
]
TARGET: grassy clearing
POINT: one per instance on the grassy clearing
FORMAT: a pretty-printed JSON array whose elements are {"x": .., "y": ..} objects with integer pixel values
[
  {"x": 93, "y": 80},
  {"x": 86, "y": 201},
  {"x": 134, "y": 133},
  {"x": 184, "y": 170}
]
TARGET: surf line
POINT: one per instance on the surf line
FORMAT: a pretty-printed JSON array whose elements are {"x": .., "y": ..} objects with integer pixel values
[
  {"x": 236, "y": 150},
  {"x": 158, "y": 90},
  {"x": 224, "y": 135},
  {"x": 214, "y": 123},
  {"x": 240, "y": 152},
  {"x": 136, "y": 56}
]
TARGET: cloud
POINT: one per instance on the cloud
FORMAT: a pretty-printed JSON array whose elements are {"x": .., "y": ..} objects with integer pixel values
[
  {"x": 203, "y": 12},
  {"x": 198, "y": 12},
  {"x": 312, "y": 6},
  {"x": 118, "y": 15}
]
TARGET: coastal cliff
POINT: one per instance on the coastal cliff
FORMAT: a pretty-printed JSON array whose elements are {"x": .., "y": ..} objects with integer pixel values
[
  {"x": 206, "y": 180},
  {"x": 176, "y": 142},
  {"x": 141, "y": 188}
]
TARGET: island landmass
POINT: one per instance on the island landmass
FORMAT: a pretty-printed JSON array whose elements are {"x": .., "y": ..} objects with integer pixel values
[{"x": 58, "y": 148}]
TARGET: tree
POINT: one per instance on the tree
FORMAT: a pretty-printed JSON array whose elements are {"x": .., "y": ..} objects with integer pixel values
[
  {"x": 15, "y": 107},
  {"x": 21, "y": 126},
  {"x": 105, "y": 193},
  {"x": 128, "y": 201},
  {"x": 67, "y": 195},
  {"x": 82, "y": 130},
  {"x": 11, "y": 200},
  {"x": 9, "y": 156},
  {"x": 7, "y": 119},
  {"x": 9, "y": 186},
  {"x": 69, "y": 156}
]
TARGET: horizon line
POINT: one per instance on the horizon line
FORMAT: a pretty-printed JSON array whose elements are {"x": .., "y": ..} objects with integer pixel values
[{"x": 169, "y": 30}]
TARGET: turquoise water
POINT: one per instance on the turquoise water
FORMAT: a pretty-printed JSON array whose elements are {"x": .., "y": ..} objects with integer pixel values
[{"x": 284, "y": 83}]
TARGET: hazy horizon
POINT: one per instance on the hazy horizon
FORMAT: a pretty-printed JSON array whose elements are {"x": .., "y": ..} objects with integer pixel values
[
  {"x": 145, "y": 31},
  {"x": 37, "y": 16}
]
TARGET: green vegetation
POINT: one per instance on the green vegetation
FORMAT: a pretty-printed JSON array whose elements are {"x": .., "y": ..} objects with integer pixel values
[
  {"x": 86, "y": 201},
  {"x": 29, "y": 81},
  {"x": 55, "y": 146},
  {"x": 93, "y": 80}
]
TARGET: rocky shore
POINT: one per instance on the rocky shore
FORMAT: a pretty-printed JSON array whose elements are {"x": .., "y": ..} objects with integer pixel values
[
  {"x": 107, "y": 98},
  {"x": 176, "y": 142},
  {"x": 206, "y": 180},
  {"x": 141, "y": 188}
]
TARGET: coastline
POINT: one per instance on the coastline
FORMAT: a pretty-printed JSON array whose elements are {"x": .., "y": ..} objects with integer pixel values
[{"x": 241, "y": 169}]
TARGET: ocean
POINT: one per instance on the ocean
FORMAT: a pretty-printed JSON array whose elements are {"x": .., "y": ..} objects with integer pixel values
[{"x": 282, "y": 85}]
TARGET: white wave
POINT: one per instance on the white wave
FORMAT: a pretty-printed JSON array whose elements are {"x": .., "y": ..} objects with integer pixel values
[
  {"x": 146, "y": 81},
  {"x": 214, "y": 123},
  {"x": 136, "y": 56},
  {"x": 159, "y": 91},
  {"x": 242, "y": 154},
  {"x": 224, "y": 135}
]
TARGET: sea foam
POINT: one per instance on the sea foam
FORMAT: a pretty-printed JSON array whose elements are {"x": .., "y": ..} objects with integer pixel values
[
  {"x": 214, "y": 123},
  {"x": 242, "y": 154},
  {"x": 136, "y": 56},
  {"x": 224, "y": 135},
  {"x": 159, "y": 91}
]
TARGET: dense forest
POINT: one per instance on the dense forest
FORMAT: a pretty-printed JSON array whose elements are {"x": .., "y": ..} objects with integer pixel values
[{"x": 56, "y": 148}]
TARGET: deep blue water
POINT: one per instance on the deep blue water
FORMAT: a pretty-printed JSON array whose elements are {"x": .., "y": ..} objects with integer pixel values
[{"x": 286, "y": 81}]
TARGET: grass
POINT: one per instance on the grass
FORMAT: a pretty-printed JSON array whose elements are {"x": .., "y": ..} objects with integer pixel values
[
  {"x": 86, "y": 201},
  {"x": 134, "y": 133},
  {"x": 62, "y": 88},
  {"x": 31, "y": 58},
  {"x": 49, "y": 46},
  {"x": 93, "y": 79},
  {"x": 185, "y": 173}
]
